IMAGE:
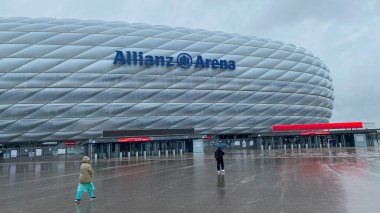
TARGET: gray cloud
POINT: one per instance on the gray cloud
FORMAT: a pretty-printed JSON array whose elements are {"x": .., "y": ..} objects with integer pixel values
[{"x": 345, "y": 34}]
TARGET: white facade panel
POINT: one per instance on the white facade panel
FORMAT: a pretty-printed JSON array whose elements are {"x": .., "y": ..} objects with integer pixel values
[{"x": 58, "y": 81}]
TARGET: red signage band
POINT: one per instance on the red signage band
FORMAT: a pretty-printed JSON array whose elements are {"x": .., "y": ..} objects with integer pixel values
[
  {"x": 207, "y": 137},
  {"x": 298, "y": 127},
  {"x": 70, "y": 143},
  {"x": 138, "y": 139}
]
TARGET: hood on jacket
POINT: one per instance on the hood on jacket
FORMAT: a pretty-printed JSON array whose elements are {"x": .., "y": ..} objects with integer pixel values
[{"x": 86, "y": 159}]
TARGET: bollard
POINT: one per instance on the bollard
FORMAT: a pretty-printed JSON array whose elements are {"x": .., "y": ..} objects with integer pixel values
[
  {"x": 137, "y": 154},
  {"x": 144, "y": 154},
  {"x": 291, "y": 146},
  {"x": 96, "y": 156},
  {"x": 285, "y": 147},
  {"x": 180, "y": 151},
  {"x": 269, "y": 147},
  {"x": 340, "y": 145},
  {"x": 121, "y": 155},
  {"x": 173, "y": 152},
  {"x": 159, "y": 153},
  {"x": 328, "y": 145},
  {"x": 166, "y": 153},
  {"x": 307, "y": 146},
  {"x": 299, "y": 146},
  {"x": 262, "y": 147},
  {"x": 320, "y": 145},
  {"x": 129, "y": 154}
]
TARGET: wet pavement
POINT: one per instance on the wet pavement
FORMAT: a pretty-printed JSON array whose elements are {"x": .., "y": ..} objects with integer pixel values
[{"x": 313, "y": 180}]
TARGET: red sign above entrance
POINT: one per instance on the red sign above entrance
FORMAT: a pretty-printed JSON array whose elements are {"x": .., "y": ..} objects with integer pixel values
[
  {"x": 297, "y": 127},
  {"x": 207, "y": 137},
  {"x": 70, "y": 143},
  {"x": 138, "y": 139}
]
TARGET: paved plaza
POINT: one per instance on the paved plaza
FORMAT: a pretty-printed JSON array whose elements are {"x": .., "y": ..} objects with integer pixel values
[{"x": 312, "y": 180}]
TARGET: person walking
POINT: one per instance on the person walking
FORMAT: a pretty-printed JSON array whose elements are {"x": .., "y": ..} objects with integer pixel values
[
  {"x": 219, "y": 161},
  {"x": 85, "y": 180}
]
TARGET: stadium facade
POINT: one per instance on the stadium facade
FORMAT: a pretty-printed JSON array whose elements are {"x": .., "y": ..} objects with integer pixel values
[{"x": 72, "y": 79}]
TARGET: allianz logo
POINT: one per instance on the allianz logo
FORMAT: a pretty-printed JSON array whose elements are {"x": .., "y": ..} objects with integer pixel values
[{"x": 183, "y": 60}]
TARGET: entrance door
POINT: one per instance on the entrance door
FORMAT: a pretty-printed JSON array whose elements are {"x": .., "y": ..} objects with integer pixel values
[{"x": 101, "y": 150}]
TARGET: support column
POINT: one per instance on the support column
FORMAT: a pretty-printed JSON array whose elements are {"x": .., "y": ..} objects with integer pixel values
[
  {"x": 316, "y": 141},
  {"x": 154, "y": 148},
  {"x": 89, "y": 150},
  {"x": 260, "y": 142},
  {"x": 109, "y": 150},
  {"x": 117, "y": 149},
  {"x": 310, "y": 141},
  {"x": 344, "y": 141}
]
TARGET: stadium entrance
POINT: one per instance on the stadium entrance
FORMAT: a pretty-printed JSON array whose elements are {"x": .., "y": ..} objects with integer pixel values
[{"x": 135, "y": 143}]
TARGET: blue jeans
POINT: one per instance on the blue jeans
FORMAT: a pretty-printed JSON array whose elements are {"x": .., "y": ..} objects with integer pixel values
[{"x": 83, "y": 187}]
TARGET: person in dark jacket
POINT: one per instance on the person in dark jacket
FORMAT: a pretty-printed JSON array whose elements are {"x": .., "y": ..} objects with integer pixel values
[{"x": 219, "y": 160}]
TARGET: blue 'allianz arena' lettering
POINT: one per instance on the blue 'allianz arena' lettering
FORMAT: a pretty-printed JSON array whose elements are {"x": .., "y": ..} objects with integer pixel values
[
  {"x": 184, "y": 60},
  {"x": 214, "y": 63}
]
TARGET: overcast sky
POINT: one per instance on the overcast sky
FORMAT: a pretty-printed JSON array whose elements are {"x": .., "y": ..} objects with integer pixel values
[{"x": 345, "y": 34}]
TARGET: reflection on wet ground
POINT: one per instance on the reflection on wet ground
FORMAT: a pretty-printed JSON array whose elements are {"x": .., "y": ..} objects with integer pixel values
[{"x": 313, "y": 180}]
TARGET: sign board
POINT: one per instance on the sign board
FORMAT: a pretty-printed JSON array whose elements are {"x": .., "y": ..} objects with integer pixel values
[
  {"x": 298, "y": 127},
  {"x": 322, "y": 132},
  {"x": 183, "y": 60},
  {"x": 38, "y": 152},
  {"x": 137, "y": 139},
  {"x": 13, "y": 153},
  {"x": 50, "y": 143},
  {"x": 70, "y": 143},
  {"x": 61, "y": 151},
  {"x": 251, "y": 143},
  {"x": 207, "y": 137},
  {"x": 244, "y": 144},
  {"x": 145, "y": 132}
]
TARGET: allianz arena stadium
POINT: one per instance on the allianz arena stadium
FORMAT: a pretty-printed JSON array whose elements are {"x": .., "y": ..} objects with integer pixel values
[{"x": 72, "y": 79}]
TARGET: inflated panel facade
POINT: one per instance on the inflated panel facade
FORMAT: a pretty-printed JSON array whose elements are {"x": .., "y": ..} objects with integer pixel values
[{"x": 58, "y": 81}]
